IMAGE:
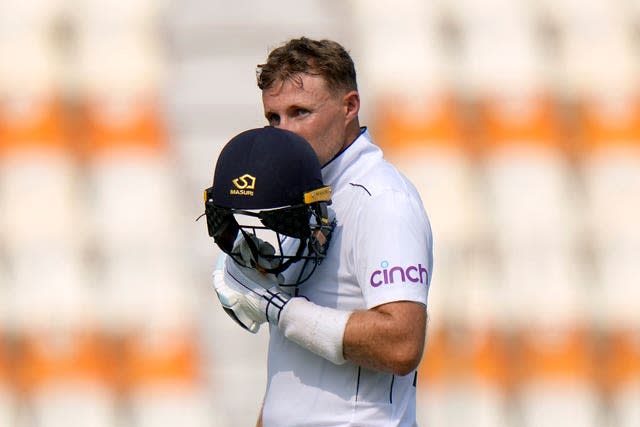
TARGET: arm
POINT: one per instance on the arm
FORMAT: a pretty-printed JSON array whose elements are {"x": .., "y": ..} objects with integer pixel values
[
  {"x": 259, "y": 421},
  {"x": 389, "y": 337}
]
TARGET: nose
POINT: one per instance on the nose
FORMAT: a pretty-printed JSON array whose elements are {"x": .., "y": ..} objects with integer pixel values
[
  {"x": 285, "y": 124},
  {"x": 282, "y": 126}
]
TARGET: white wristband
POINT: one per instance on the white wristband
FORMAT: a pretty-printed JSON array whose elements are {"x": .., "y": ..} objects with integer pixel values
[{"x": 316, "y": 328}]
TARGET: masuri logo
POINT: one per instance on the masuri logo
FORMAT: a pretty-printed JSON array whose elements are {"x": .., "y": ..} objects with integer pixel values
[{"x": 244, "y": 184}]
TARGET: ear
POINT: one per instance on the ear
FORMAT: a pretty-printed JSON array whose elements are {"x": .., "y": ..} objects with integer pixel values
[{"x": 352, "y": 105}]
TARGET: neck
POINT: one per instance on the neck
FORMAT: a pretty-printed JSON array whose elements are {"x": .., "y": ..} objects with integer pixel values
[{"x": 353, "y": 130}]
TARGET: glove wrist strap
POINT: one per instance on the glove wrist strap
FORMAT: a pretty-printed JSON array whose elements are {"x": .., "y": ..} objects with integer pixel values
[{"x": 272, "y": 304}]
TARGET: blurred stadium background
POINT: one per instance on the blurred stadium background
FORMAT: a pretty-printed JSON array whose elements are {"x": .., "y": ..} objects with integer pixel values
[{"x": 519, "y": 121}]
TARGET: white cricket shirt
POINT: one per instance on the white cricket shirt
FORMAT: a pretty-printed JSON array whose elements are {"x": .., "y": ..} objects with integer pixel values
[{"x": 380, "y": 251}]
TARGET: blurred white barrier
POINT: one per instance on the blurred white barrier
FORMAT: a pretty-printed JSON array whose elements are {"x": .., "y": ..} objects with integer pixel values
[
  {"x": 7, "y": 407},
  {"x": 91, "y": 405},
  {"x": 174, "y": 405}
]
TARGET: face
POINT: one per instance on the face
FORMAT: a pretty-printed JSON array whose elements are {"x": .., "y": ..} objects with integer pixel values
[{"x": 324, "y": 118}]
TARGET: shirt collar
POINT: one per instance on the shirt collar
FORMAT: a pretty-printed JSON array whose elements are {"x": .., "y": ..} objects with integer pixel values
[{"x": 336, "y": 167}]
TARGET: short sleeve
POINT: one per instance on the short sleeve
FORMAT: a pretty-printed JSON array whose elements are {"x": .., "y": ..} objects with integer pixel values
[{"x": 394, "y": 256}]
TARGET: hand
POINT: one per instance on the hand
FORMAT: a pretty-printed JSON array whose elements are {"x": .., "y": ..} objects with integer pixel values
[
  {"x": 254, "y": 274},
  {"x": 245, "y": 301},
  {"x": 265, "y": 252},
  {"x": 239, "y": 302}
]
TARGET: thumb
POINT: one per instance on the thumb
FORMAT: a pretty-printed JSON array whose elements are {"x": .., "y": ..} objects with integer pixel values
[{"x": 220, "y": 262}]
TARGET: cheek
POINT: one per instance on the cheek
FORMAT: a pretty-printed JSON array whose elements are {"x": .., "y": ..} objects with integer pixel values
[
  {"x": 325, "y": 135},
  {"x": 315, "y": 132},
  {"x": 329, "y": 127},
  {"x": 307, "y": 134}
]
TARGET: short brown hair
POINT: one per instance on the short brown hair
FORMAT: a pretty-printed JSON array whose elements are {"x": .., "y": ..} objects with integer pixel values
[{"x": 324, "y": 58}]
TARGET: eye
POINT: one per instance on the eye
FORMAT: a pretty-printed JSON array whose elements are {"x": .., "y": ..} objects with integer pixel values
[
  {"x": 273, "y": 119},
  {"x": 301, "y": 112}
]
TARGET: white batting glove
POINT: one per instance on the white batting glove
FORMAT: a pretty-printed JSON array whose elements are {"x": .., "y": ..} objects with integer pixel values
[{"x": 246, "y": 301}]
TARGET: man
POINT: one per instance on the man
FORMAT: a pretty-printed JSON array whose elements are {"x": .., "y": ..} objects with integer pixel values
[{"x": 345, "y": 349}]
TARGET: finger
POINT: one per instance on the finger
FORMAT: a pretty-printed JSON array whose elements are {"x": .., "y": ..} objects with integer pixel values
[
  {"x": 227, "y": 296},
  {"x": 244, "y": 318},
  {"x": 254, "y": 328},
  {"x": 245, "y": 252},
  {"x": 218, "y": 279},
  {"x": 266, "y": 248}
]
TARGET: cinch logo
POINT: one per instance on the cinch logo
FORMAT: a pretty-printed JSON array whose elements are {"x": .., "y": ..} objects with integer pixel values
[
  {"x": 245, "y": 185},
  {"x": 387, "y": 276}
]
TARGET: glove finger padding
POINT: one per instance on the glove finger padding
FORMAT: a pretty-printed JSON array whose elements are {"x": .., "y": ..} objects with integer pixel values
[
  {"x": 263, "y": 287},
  {"x": 239, "y": 296},
  {"x": 240, "y": 308},
  {"x": 248, "y": 303}
]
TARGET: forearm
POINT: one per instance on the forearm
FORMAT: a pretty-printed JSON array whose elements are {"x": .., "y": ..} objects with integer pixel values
[
  {"x": 388, "y": 338},
  {"x": 318, "y": 329}
]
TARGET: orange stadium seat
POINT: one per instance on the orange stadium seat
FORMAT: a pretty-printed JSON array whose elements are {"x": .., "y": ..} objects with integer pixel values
[
  {"x": 621, "y": 375},
  {"x": 482, "y": 358},
  {"x": 433, "y": 378},
  {"x": 454, "y": 354},
  {"x": 61, "y": 371},
  {"x": 35, "y": 147},
  {"x": 40, "y": 209},
  {"x": 31, "y": 124},
  {"x": 40, "y": 202},
  {"x": 160, "y": 357},
  {"x": 163, "y": 378},
  {"x": 123, "y": 124},
  {"x": 125, "y": 141},
  {"x": 610, "y": 143},
  {"x": 522, "y": 158},
  {"x": 556, "y": 371},
  {"x": 465, "y": 368},
  {"x": 50, "y": 357},
  {"x": 130, "y": 174},
  {"x": 526, "y": 156},
  {"x": 434, "y": 367},
  {"x": 6, "y": 386},
  {"x": 518, "y": 122},
  {"x": 609, "y": 135},
  {"x": 621, "y": 366},
  {"x": 555, "y": 354},
  {"x": 609, "y": 124},
  {"x": 435, "y": 125},
  {"x": 6, "y": 368}
]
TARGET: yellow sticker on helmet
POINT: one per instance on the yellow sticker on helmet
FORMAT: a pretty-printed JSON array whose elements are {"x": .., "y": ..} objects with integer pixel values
[{"x": 320, "y": 195}]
